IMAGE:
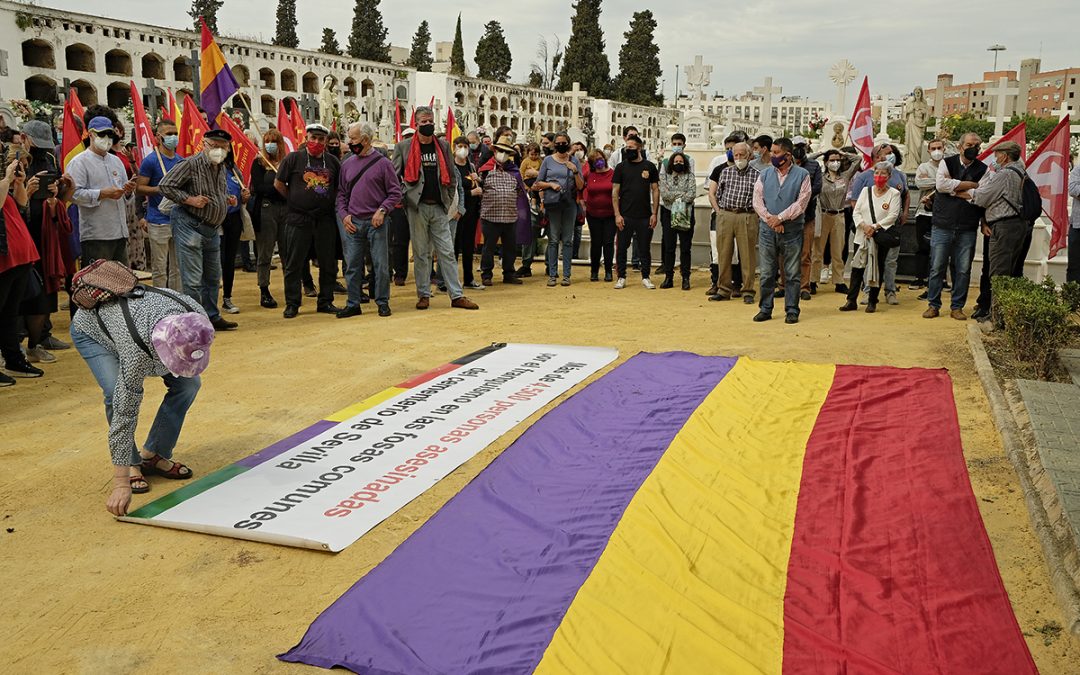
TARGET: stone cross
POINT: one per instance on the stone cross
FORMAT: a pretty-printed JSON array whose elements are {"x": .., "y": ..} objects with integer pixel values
[
  {"x": 842, "y": 73},
  {"x": 766, "y": 93},
  {"x": 1001, "y": 92},
  {"x": 698, "y": 76},
  {"x": 576, "y": 95},
  {"x": 194, "y": 63},
  {"x": 309, "y": 107},
  {"x": 151, "y": 91},
  {"x": 63, "y": 89}
]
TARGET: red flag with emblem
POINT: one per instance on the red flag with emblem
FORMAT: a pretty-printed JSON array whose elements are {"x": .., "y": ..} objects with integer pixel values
[
  {"x": 285, "y": 126},
  {"x": 144, "y": 135},
  {"x": 861, "y": 130},
  {"x": 298, "y": 123},
  {"x": 192, "y": 128},
  {"x": 1018, "y": 134},
  {"x": 1048, "y": 168},
  {"x": 244, "y": 151}
]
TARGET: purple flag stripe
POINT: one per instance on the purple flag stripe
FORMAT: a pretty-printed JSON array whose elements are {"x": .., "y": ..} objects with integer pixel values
[
  {"x": 216, "y": 94},
  {"x": 285, "y": 444},
  {"x": 482, "y": 586}
]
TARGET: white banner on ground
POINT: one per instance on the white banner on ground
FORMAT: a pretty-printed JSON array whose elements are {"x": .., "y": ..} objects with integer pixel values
[{"x": 329, "y": 490}]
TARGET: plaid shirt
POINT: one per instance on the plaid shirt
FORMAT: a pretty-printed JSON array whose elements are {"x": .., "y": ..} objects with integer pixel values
[
  {"x": 197, "y": 176},
  {"x": 735, "y": 189},
  {"x": 499, "y": 202}
]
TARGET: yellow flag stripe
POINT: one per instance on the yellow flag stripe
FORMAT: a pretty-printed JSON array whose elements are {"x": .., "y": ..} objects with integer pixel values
[{"x": 369, "y": 402}]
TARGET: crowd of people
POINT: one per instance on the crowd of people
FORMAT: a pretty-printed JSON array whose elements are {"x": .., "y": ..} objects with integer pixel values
[{"x": 784, "y": 222}]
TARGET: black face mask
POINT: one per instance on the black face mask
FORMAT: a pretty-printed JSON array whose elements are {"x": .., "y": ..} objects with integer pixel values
[
  {"x": 356, "y": 148},
  {"x": 334, "y": 150},
  {"x": 678, "y": 168},
  {"x": 799, "y": 153},
  {"x": 562, "y": 147},
  {"x": 971, "y": 154},
  {"x": 548, "y": 150},
  {"x": 426, "y": 129},
  {"x": 630, "y": 154}
]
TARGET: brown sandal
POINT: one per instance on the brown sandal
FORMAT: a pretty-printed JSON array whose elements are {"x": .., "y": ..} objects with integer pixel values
[
  {"x": 141, "y": 489},
  {"x": 176, "y": 472}
]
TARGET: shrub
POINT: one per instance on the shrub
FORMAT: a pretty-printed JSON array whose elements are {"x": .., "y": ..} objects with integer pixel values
[
  {"x": 1070, "y": 295},
  {"x": 1035, "y": 319}
]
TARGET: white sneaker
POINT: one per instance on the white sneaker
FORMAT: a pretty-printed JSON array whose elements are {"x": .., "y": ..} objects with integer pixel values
[
  {"x": 647, "y": 283},
  {"x": 39, "y": 355},
  {"x": 890, "y": 298},
  {"x": 621, "y": 283},
  {"x": 226, "y": 304}
]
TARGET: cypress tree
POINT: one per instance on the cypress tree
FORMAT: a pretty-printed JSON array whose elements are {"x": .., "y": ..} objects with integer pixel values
[
  {"x": 639, "y": 63},
  {"x": 585, "y": 60},
  {"x": 207, "y": 9},
  {"x": 285, "y": 33},
  {"x": 493, "y": 57},
  {"x": 420, "y": 55},
  {"x": 457, "y": 54},
  {"x": 368, "y": 38},
  {"x": 329, "y": 42}
]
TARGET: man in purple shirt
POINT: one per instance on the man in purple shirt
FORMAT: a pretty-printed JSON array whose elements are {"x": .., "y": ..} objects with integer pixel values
[{"x": 368, "y": 188}]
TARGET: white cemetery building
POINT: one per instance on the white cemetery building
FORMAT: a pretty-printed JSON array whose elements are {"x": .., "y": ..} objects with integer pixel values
[{"x": 762, "y": 109}]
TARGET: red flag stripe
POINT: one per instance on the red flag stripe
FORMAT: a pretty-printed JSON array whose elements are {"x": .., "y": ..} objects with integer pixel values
[
  {"x": 862, "y": 124},
  {"x": 1048, "y": 168},
  {"x": 244, "y": 151},
  {"x": 144, "y": 134},
  {"x": 1017, "y": 134},
  {"x": 285, "y": 126}
]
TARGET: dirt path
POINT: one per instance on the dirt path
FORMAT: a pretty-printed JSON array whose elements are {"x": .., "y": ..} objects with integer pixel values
[{"x": 83, "y": 593}]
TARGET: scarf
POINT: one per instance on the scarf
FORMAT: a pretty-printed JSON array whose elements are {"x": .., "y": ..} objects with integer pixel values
[
  {"x": 57, "y": 260},
  {"x": 412, "y": 163}
]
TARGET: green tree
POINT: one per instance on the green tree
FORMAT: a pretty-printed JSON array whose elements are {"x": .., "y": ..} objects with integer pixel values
[
  {"x": 329, "y": 42},
  {"x": 207, "y": 10},
  {"x": 457, "y": 53},
  {"x": 536, "y": 79},
  {"x": 639, "y": 63},
  {"x": 493, "y": 57},
  {"x": 896, "y": 130},
  {"x": 420, "y": 55},
  {"x": 585, "y": 60},
  {"x": 368, "y": 38},
  {"x": 1037, "y": 129},
  {"x": 285, "y": 33},
  {"x": 961, "y": 123}
]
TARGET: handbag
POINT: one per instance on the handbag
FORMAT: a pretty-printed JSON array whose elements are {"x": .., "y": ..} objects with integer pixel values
[
  {"x": 887, "y": 238},
  {"x": 248, "y": 231},
  {"x": 680, "y": 216}
]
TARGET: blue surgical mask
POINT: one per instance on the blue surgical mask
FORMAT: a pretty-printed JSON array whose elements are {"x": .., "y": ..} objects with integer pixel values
[
  {"x": 730, "y": 156},
  {"x": 891, "y": 159},
  {"x": 271, "y": 149},
  {"x": 59, "y": 138},
  {"x": 170, "y": 142},
  {"x": 676, "y": 149},
  {"x": 757, "y": 154},
  {"x": 474, "y": 146}
]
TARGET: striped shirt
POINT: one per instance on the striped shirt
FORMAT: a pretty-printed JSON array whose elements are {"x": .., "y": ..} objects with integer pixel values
[
  {"x": 198, "y": 176},
  {"x": 735, "y": 189}
]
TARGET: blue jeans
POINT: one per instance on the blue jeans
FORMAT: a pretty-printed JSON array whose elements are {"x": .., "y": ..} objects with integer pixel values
[
  {"x": 198, "y": 250},
  {"x": 105, "y": 365},
  {"x": 357, "y": 246},
  {"x": 561, "y": 221},
  {"x": 960, "y": 247},
  {"x": 769, "y": 244}
]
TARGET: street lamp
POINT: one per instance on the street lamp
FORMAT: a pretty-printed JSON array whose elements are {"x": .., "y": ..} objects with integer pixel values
[{"x": 995, "y": 49}]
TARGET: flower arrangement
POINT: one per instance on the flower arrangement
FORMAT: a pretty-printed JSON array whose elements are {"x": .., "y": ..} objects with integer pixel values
[
  {"x": 31, "y": 110},
  {"x": 817, "y": 123}
]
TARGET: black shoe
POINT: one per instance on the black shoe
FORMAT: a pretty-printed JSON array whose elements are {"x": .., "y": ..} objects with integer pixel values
[
  {"x": 946, "y": 286},
  {"x": 384, "y": 310},
  {"x": 841, "y": 288},
  {"x": 805, "y": 295},
  {"x": 6, "y": 381},
  {"x": 686, "y": 284},
  {"x": 310, "y": 292},
  {"x": 249, "y": 268},
  {"x": 792, "y": 317},
  {"x": 349, "y": 311},
  {"x": 813, "y": 288},
  {"x": 871, "y": 307},
  {"x": 607, "y": 277},
  {"x": 364, "y": 298},
  {"x": 524, "y": 271},
  {"x": 339, "y": 289},
  {"x": 513, "y": 280},
  {"x": 923, "y": 295},
  {"x": 635, "y": 266},
  {"x": 21, "y": 368},
  {"x": 762, "y": 316},
  {"x": 290, "y": 311},
  {"x": 267, "y": 300},
  {"x": 748, "y": 299},
  {"x": 221, "y": 324},
  {"x": 595, "y": 276},
  {"x": 719, "y": 298},
  {"x": 849, "y": 306},
  {"x": 667, "y": 282},
  {"x": 328, "y": 309},
  {"x": 980, "y": 314},
  {"x": 778, "y": 293}
]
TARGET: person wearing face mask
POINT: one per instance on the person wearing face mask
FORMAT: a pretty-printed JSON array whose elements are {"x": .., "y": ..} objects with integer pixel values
[
  {"x": 267, "y": 212},
  {"x": 601, "y": 215},
  {"x": 469, "y": 192},
  {"x": 717, "y": 165},
  {"x": 547, "y": 141},
  {"x": 578, "y": 151},
  {"x": 231, "y": 229},
  {"x": 678, "y": 188},
  {"x": 156, "y": 165},
  {"x": 198, "y": 188},
  {"x": 761, "y": 148},
  {"x": 876, "y": 210},
  {"x": 838, "y": 173},
  {"x": 635, "y": 194},
  {"x": 560, "y": 182},
  {"x": 732, "y": 200},
  {"x": 678, "y": 147},
  {"x": 530, "y": 169},
  {"x": 799, "y": 154},
  {"x": 889, "y": 153},
  {"x": 629, "y": 131},
  {"x": 475, "y": 147},
  {"x": 955, "y": 227},
  {"x": 333, "y": 144},
  {"x": 925, "y": 180},
  {"x": 781, "y": 195},
  {"x": 503, "y": 193},
  {"x": 102, "y": 190}
]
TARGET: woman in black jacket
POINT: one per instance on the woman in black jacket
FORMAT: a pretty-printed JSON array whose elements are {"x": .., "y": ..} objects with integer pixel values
[{"x": 267, "y": 211}]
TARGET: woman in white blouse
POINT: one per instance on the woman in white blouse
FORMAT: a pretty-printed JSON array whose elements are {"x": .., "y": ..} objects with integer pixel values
[{"x": 876, "y": 211}]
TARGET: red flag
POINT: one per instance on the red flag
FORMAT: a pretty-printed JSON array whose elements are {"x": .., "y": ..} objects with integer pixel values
[
  {"x": 244, "y": 151},
  {"x": 861, "y": 130},
  {"x": 1018, "y": 134},
  {"x": 298, "y": 123},
  {"x": 72, "y": 128},
  {"x": 174, "y": 110},
  {"x": 285, "y": 126},
  {"x": 397, "y": 121},
  {"x": 452, "y": 130},
  {"x": 412, "y": 120},
  {"x": 144, "y": 135},
  {"x": 1048, "y": 168},
  {"x": 192, "y": 128}
]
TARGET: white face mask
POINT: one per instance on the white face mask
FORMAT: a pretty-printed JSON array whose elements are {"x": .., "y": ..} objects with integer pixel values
[
  {"x": 500, "y": 157},
  {"x": 103, "y": 143},
  {"x": 936, "y": 155},
  {"x": 741, "y": 164},
  {"x": 580, "y": 155},
  {"x": 462, "y": 153},
  {"x": 217, "y": 155},
  {"x": 834, "y": 166}
]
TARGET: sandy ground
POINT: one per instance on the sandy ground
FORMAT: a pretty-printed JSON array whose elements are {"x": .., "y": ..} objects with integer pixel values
[{"x": 83, "y": 593}]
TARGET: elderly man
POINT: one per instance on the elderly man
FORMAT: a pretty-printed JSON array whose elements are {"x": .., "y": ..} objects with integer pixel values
[
  {"x": 426, "y": 167},
  {"x": 1000, "y": 193},
  {"x": 718, "y": 164},
  {"x": 307, "y": 178},
  {"x": 197, "y": 187},
  {"x": 101, "y": 192},
  {"x": 955, "y": 225},
  {"x": 368, "y": 190},
  {"x": 781, "y": 195},
  {"x": 925, "y": 180},
  {"x": 736, "y": 224}
]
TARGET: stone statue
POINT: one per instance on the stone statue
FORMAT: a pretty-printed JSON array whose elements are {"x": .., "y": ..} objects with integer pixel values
[
  {"x": 837, "y": 135},
  {"x": 916, "y": 117},
  {"x": 327, "y": 102},
  {"x": 698, "y": 76}
]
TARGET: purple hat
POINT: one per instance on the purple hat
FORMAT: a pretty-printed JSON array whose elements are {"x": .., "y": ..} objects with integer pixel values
[{"x": 182, "y": 342}]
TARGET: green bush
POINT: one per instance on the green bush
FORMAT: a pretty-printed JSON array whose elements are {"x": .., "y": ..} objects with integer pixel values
[
  {"x": 1035, "y": 318},
  {"x": 1070, "y": 295}
]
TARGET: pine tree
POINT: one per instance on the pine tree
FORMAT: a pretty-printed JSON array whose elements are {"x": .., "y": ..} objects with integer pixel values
[
  {"x": 329, "y": 42},
  {"x": 639, "y": 63},
  {"x": 457, "y": 54},
  {"x": 585, "y": 60},
  {"x": 420, "y": 55},
  {"x": 205, "y": 9},
  {"x": 368, "y": 37},
  {"x": 493, "y": 57},
  {"x": 285, "y": 35}
]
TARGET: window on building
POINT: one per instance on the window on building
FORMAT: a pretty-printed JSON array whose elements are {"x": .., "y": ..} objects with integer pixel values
[
  {"x": 79, "y": 57},
  {"x": 41, "y": 88},
  {"x": 117, "y": 62},
  {"x": 38, "y": 53}
]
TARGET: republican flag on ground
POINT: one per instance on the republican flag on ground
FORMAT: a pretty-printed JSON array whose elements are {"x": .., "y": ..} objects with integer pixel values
[
  {"x": 715, "y": 515},
  {"x": 298, "y": 124},
  {"x": 192, "y": 127},
  {"x": 285, "y": 126},
  {"x": 1048, "y": 168},
  {"x": 215, "y": 76},
  {"x": 861, "y": 130},
  {"x": 144, "y": 134},
  {"x": 244, "y": 151},
  {"x": 1017, "y": 134},
  {"x": 452, "y": 129},
  {"x": 72, "y": 131}
]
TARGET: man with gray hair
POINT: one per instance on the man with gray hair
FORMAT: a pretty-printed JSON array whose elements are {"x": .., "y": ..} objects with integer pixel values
[
  {"x": 430, "y": 184},
  {"x": 368, "y": 189}
]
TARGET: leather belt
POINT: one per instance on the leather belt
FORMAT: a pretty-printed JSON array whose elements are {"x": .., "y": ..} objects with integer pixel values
[
  {"x": 833, "y": 213},
  {"x": 738, "y": 210}
]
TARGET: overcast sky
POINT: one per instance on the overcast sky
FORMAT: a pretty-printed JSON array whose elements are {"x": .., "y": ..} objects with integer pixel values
[{"x": 899, "y": 45}]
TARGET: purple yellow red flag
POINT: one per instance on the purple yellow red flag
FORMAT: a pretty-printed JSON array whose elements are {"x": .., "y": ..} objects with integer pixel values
[
  {"x": 215, "y": 76},
  {"x": 71, "y": 142}
]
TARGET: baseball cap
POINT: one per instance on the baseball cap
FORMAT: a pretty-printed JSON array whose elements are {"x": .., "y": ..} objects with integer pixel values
[
  {"x": 182, "y": 342},
  {"x": 102, "y": 123},
  {"x": 799, "y": 140},
  {"x": 39, "y": 133}
]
